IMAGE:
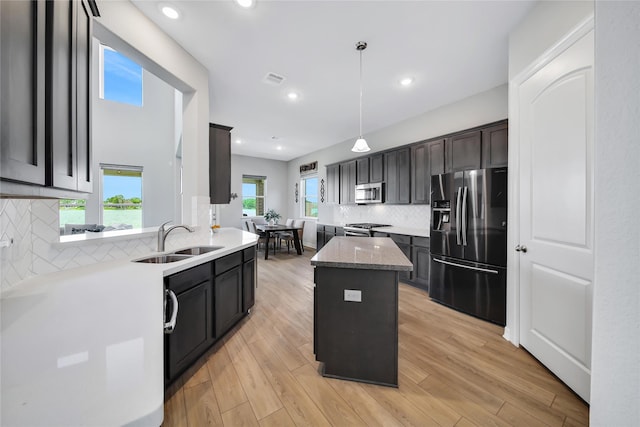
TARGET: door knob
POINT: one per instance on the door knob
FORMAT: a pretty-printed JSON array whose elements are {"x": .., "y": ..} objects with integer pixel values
[{"x": 522, "y": 248}]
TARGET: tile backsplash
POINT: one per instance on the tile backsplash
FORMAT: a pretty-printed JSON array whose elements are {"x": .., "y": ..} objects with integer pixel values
[
  {"x": 411, "y": 216},
  {"x": 32, "y": 225}
]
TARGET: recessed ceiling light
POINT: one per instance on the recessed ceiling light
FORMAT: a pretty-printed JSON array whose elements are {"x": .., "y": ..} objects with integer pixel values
[
  {"x": 246, "y": 3},
  {"x": 292, "y": 96},
  {"x": 170, "y": 11},
  {"x": 406, "y": 81},
  {"x": 279, "y": 147},
  {"x": 238, "y": 141}
]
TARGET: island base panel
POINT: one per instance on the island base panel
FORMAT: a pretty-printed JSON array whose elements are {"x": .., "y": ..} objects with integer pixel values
[{"x": 357, "y": 340}]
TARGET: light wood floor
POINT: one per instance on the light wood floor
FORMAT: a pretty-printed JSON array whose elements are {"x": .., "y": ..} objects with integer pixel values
[{"x": 453, "y": 370}]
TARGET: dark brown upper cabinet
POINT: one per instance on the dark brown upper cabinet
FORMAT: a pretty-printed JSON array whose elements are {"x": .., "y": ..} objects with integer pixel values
[
  {"x": 463, "y": 151},
  {"x": 427, "y": 159},
  {"x": 45, "y": 110},
  {"x": 333, "y": 184},
  {"x": 495, "y": 146},
  {"x": 370, "y": 169},
  {"x": 348, "y": 182},
  {"x": 397, "y": 176},
  {"x": 219, "y": 164}
]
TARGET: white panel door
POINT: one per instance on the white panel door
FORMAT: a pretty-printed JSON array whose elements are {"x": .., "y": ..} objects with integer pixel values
[{"x": 556, "y": 214}]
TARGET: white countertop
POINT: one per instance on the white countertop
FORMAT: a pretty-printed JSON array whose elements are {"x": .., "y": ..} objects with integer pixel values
[
  {"x": 85, "y": 346},
  {"x": 374, "y": 253}
]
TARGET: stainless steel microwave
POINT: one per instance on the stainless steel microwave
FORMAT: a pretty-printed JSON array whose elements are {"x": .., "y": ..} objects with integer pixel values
[{"x": 369, "y": 193}]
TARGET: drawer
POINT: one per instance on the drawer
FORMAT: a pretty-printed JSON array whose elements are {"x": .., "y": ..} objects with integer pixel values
[
  {"x": 339, "y": 231},
  {"x": 228, "y": 262},
  {"x": 401, "y": 238},
  {"x": 329, "y": 229},
  {"x": 421, "y": 241},
  {"x": 379, "y": 234},
  {"x": 320, "y": 228},
  {"x": 185, "y": 280},
  {"x": 249, "y": 253}
]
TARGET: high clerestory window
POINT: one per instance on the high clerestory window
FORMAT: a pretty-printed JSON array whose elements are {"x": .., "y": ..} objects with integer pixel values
[
  {"x": 120, "y": 77},
  {"x": 253, "y": 195}
]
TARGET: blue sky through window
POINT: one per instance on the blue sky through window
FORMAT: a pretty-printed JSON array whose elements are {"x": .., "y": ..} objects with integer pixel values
[
  {"x": 122, "y": 79},
  {"x": 128, "y": 186}
]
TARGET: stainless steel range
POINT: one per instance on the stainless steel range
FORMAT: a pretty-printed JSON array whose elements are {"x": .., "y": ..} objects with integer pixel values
[{"x": 362, "y": 229}]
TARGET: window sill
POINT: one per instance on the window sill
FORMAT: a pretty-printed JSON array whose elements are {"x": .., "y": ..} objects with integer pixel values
[{"x": 105, "y": 236}]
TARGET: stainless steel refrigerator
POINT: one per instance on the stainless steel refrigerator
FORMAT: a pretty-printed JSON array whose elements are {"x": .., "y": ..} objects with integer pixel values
[{"x": 469, "y": 242}]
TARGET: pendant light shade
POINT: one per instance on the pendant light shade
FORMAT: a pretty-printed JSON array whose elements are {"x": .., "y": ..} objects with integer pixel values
[{"x": 361, "y": 145}]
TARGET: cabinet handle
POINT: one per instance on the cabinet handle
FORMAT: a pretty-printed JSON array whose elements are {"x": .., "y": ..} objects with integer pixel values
[{"x": 171, "y": 324}]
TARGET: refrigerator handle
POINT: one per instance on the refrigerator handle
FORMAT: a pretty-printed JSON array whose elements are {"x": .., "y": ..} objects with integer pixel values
[
  {"x": 464, "y": 217},
  {"x": 468, "y": 267},
  {"x": 458, "y": 209}
]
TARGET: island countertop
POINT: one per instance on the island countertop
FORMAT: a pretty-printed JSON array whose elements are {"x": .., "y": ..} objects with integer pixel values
[{"x": 370, "y": 253}]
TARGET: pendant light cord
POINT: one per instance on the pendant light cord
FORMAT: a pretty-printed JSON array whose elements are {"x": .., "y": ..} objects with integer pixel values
[{"x": 361, "y": 94}]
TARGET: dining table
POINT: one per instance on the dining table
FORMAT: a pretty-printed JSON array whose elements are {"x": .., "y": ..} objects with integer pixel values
[{"x": 268, "y": 230}]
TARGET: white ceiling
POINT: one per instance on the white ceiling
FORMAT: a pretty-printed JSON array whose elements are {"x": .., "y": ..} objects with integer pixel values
[{"x": 453, "y": 49}]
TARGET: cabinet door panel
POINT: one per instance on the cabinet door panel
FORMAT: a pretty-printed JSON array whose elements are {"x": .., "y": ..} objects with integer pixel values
[
  {"x": 22, "y": 83},
  {"x": 420, "y": 179},
  {"x": 376, "y": 168},
  {"x": 83, "y": 98},
  {"x": 348, "y": 182},
  {"x": 404, "y": 175},
  {"x": 464, "y": 151},
  {"x": 219, "y": 164},
  {"x": 436, "y": 159},
  {"x": 193, "y": 333},
  {"x": 495, "y": 146},
  {"x": 362, "y": 171},
  {"x": 248, "y": 284},
  {"x": 333, "y": 184},
  {"x": 60, "y": 109},
  {"x": 228, "y": 300},
  {"x": 420, "y": 274}
]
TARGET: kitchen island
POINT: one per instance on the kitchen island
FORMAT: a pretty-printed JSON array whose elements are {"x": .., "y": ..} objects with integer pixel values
[{"x": 356, "y": 308}]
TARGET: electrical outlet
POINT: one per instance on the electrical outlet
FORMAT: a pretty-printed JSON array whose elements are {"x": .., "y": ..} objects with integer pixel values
[{"x": 352, "y": 295}]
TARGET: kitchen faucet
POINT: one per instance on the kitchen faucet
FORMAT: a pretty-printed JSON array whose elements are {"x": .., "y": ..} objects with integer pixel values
[{"x": 162, "y": 233}]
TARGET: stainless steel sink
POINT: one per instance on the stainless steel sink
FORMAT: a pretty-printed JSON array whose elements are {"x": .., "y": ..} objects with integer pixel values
[
  {"x": 198, "y": 250},
  {"x": 163, "y": 259}
]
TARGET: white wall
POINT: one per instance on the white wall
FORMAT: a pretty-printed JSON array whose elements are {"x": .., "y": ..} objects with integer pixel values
[
  {"x": 126, "y": 29},
  {"x": 476, "y": 110},
  {"x": 277, "y": 191},
  {"x": 615, "y": 377},
  {"x": 143, "y": 136},
  {"x": 545, "y": 25}
]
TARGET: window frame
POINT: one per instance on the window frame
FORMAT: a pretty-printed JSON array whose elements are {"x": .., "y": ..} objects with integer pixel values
[
  {"x": 101, "y": 77},
  {"x": 256, "y": 197},
  {"x": 129, "y": 168},
  {"x": 303, "y": 195}
]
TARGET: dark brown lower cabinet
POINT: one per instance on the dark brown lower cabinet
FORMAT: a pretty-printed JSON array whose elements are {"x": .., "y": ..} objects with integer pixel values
[
  {"x": 416, "y": 249},
  {"x": 228, "y": 300},
  {"x": 212, "y": 298}
]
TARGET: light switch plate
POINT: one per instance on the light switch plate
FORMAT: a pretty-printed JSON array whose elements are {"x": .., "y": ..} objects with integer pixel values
[{"x": 352, "y": 295}]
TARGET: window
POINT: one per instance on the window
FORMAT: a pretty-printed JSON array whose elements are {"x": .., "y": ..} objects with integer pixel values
[
  {"x": 253, "y": 195},
  {"x": 121, "y": 196},
  {"x": 72, "y": 211},
  {"x": 120, "y": 78},
  {"x": 309, "y": 196}
]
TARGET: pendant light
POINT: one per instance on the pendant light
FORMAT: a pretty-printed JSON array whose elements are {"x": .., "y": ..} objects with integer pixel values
[{"x": 361, "y": 145}]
